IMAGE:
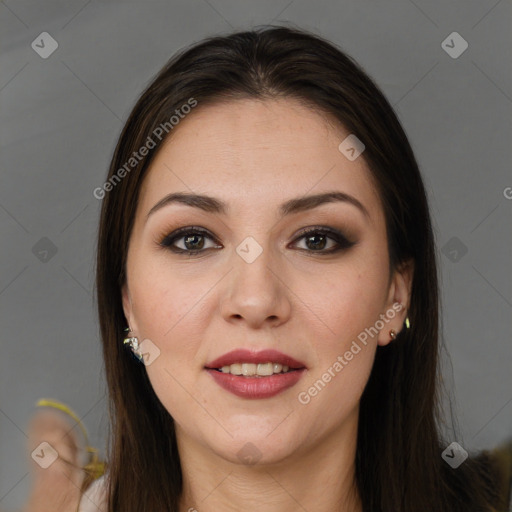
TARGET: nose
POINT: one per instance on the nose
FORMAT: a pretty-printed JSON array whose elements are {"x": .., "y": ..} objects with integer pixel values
[{"x": 256, "y": 292}]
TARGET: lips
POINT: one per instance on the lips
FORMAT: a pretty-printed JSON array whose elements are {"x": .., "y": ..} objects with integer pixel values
[
  {"x": 256, "y": 387},
  {"x": 262, "y": 356}
]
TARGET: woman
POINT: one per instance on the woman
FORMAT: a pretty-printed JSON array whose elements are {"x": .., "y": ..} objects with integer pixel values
[{"x": 265, "y": 236}]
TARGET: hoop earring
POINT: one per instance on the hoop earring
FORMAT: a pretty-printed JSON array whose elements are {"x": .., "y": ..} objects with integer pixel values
[{"x": 133, "y": 343}]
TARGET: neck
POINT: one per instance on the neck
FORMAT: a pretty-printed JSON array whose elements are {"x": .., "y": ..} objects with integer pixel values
[{"x": 321, "y": 478}]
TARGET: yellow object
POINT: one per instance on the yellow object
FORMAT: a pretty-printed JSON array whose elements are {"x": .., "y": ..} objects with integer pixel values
[{"x": 95, "y": 467}]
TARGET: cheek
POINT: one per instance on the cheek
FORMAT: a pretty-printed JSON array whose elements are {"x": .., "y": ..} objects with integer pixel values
[
  {"x": 344, "y": 355},
  {"x": 347, "y": 298},
  {"x": 162, "y": 297},
  {"x": 166, "y": 309},
  {"x": 173, "y": 309},
  {"x": 348, "y": 301}
]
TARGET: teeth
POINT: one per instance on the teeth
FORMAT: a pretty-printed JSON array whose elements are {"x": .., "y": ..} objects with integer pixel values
[
  {"x": 265, "y": 369},
  {"x": 251, "y": 369},
  {"x": 235, "y": 369}
]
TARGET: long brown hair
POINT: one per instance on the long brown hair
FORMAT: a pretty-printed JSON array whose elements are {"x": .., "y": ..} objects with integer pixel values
[{"x": 398, "y": 461}]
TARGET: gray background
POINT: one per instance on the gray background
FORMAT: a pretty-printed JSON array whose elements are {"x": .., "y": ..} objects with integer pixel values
[{"x": 61, "y": 116}]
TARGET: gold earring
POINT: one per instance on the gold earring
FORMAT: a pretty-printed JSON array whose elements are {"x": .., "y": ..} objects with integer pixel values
[
  {"x": 392, "y": 333},
  {"x": 407, "y": 323}
]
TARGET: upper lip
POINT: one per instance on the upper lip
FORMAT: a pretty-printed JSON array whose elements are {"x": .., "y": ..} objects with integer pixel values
[{"x": 261, "y": 356}]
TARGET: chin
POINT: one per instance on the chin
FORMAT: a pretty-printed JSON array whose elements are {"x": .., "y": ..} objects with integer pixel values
[{"x": 259, "y": 448}]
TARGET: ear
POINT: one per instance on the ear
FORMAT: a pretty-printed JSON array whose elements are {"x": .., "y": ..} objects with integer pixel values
[
  {"x": 127, "y": 305},
  {"x": 399, "y": 293}
]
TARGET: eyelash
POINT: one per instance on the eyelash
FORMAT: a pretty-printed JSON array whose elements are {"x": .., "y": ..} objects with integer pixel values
[{"x": 336, "y": 235}]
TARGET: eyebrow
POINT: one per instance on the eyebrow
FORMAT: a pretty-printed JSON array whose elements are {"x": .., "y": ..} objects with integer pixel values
[{"x": 213, "y": 205}]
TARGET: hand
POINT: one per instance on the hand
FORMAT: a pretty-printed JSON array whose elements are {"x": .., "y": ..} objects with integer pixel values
[{"x": 56, "y": 488}]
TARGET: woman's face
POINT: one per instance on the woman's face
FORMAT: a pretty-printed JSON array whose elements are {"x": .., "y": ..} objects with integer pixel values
[{"x": 258, "y": 283}]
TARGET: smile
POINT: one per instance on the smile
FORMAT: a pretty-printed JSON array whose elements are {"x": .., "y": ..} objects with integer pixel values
[
  {"x": 250, "y": 369},
  {"x": 255, "y": 375}
]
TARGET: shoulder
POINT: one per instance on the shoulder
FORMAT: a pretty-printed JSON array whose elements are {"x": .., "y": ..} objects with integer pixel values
[{"x": 94, "y": 498}]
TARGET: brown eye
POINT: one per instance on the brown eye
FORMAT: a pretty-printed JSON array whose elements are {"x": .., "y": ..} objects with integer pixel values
[
  {"x": 193, "y": 240},
  {"x": 316, "y": 240}
]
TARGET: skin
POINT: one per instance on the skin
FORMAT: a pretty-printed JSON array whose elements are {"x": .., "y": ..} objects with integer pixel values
[{"x": 255, "y": 155}]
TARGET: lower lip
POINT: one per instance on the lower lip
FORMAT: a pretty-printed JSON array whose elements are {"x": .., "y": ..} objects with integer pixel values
[{"x": 256, "y": 387}]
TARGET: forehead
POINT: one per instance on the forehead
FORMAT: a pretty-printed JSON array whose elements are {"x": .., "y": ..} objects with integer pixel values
[{"x": 256, "y": 152}]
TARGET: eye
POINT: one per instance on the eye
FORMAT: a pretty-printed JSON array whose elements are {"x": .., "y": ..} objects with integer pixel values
[
  {"x": 193, "y": 240},
  {"x": 315, "y": 239}
]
